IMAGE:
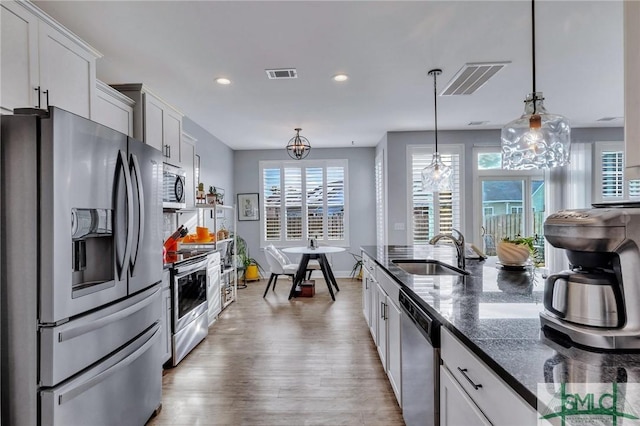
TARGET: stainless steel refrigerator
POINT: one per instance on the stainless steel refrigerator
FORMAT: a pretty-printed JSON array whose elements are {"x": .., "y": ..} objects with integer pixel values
[{"x": 82, "y": 266}]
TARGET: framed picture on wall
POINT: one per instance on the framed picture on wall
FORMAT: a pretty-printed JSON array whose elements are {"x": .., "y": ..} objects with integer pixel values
[{"x": 248, "y": 206}]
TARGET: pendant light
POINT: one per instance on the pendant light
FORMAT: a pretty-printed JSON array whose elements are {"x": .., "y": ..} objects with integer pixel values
[
  {"x": 536, "y": 140},
  {"x": 298, "y": 146},
  {"x": 436, "y": 176}
]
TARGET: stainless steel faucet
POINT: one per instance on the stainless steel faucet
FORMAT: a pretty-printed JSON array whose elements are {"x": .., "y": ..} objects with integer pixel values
[{"x": 457, "y": 242}]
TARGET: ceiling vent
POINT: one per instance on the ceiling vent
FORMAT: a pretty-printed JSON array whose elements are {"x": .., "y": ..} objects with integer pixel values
[
  {"x": 284, "y": 73},
  {"x": 609, "y": 118},
  {"x": 471, "y": 77},
  {"x": 477, "y": 123}
]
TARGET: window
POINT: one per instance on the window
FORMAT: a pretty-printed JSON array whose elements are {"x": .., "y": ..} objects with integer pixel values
[
  {"x": 508, "y": 202},
  {"x": 432, "y": 213},
  {"x": 304, "y": 199},
  {"x": 610, "y": 184}
]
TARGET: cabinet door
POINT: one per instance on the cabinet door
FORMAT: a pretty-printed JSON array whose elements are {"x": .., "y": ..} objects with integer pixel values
[
  {"x": 172, "y": 135},
  {"x": 374, "y": 311},
  {"x": 366, "y": 297},
  {"x": 382, "y": 325},
  {"x": 19, "y": 57},
  {"x": 67, "y": 71},
  {"x": 165, "y": 344},
  {"x": 112, "y": 112},
  {"x": 213, "y": 293},
  {"x": 393, "y": 348},
  {"x": 153, "y": 122},
  {"x": 188, "y": 157},
  {"x": 456, "y": 407}
]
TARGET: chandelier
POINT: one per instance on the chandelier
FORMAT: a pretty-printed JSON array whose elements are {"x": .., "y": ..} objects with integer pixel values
[
  {"x": 298, "y": 146},
  {"x": 436, "y": 176},
  {"x": 538, "y": 139}
]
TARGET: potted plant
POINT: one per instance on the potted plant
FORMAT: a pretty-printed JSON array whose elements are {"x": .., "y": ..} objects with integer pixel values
[
  {"x": 212, "y": 195},
  {"x": 356, "y": 271},
  {"x": 516, "y": 251},
  {"x": 200, "y": 193},
  {"x": 251, "y": 267}
]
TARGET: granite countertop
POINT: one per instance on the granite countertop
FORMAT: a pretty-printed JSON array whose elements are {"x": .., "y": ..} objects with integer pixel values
[{"x": 495, "y": 312}]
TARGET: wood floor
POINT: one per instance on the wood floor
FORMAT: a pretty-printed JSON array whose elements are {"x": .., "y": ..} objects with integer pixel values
[{"x": 271, "y": 361}]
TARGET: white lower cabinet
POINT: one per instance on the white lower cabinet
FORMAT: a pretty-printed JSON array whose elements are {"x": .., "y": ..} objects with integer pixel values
[
  {"x": 167, "y": 310},
  {"x": 381, "y": 311},
  {"x": 213, "y": 287},
  {"x": 472, "y": 394},
  {"x": 456, "y": 407}
]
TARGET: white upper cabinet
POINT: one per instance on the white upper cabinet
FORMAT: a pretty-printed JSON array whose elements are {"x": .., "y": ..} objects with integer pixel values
[
  {"x": 113, "y": 109},
  {"x": 188, "y": 160},
  {"x": 42, "y": 61},
  {"x": 155, "y": 121}
]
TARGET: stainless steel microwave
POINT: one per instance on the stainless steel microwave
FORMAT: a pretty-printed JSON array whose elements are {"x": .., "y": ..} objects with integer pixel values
[{"x": 173, "y": 181}]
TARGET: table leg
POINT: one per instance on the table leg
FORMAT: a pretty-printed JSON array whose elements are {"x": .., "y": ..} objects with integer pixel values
[
  {"x": 324, "y": 269},
  {"x": 299, "y": 277},
  {"x": 330, "y": 272}
]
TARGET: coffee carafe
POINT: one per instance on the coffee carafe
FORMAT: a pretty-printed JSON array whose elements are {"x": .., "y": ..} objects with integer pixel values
[
  {"x": 585, "y": 298},
  {"x": 597, "y": 302}
]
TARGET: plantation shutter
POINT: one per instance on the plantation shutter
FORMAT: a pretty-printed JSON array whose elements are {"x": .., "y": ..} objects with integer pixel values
[
  {"x": 272, "y": 210},
  {"x": 613, "y": 185},
  {"x": 335, "y": 203},
  {"x": 433, "y": 215},
  {"x": 293, "y": 203},
  {"x": 304, "y": 199}
]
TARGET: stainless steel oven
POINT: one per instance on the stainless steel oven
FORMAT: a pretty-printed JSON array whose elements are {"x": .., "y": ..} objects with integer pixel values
[
  {"x": 189, "y": 298},
  {"x": 173, "y": 180}
]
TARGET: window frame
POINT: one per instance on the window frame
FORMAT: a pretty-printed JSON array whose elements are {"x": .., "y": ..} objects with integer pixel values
[
  {"x": 480, "y": 175},
  {"x": 303, "y": 165},
  {"x": 428, "y": 149},
  {"x": 599, "y": 149}
]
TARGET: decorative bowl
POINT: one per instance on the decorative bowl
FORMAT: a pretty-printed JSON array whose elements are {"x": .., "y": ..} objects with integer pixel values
[{"x": 512, "y": 254}]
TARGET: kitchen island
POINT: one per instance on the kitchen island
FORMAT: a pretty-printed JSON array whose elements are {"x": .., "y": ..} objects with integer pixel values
[{"x": 494, "y": 313}]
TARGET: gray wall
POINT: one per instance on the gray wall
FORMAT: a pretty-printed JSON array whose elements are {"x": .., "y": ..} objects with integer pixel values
[
  {"x": 361, "y": 197},
  {"x": 396, "y": 144},
  {"x": 216, "y": 166}
]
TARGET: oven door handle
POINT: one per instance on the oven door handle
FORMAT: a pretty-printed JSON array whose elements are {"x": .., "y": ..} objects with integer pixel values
[{"x": 183, "y": 270}]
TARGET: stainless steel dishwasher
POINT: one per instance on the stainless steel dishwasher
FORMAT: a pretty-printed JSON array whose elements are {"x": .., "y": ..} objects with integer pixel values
[{"x": 420, "y": 364}]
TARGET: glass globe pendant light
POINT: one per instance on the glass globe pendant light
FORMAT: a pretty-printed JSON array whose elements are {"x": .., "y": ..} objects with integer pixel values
[
  {"x": 436, "y": 176},
  {"x": 536, "y": 140},
  {"x": 298, "y": 146}
]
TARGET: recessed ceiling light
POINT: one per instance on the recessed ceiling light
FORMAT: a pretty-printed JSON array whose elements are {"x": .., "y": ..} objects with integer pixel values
[
  {"x": 223, "y": 81},
  {"x": 340, "y": 77}
]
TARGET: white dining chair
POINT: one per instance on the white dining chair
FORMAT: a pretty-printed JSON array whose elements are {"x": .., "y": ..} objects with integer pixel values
[{"x": 278, "y": 265}]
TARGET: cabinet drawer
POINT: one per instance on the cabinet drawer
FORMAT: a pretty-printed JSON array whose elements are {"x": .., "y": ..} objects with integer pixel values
[
  {"x": 494, "y": 397},
  {"x": 369, "y": 265}
]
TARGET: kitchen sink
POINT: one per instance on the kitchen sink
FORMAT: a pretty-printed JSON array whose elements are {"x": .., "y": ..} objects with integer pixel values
[{"x": 427, "y": 267}]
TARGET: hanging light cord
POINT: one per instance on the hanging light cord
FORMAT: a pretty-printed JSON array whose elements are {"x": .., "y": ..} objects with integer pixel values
[
  {"x": 533, "y": 51},
  {"x": 435, "y": 106}
]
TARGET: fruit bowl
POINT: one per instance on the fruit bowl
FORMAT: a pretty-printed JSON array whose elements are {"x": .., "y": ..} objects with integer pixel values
[{"x": 512, "y": 254}]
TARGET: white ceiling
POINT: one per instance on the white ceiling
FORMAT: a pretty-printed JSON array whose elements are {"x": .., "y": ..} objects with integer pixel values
[{"x": 178, "y": 48}]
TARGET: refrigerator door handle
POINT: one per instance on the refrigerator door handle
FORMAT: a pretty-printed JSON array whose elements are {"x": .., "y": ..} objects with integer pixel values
[
  {"x": 82, "y": 329},
  {"x": 135, "y": 167},
  {"x": 133, "y": 354},
  {"x": 129, "y": 242}
]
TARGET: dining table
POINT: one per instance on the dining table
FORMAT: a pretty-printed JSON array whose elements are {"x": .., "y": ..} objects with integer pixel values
[{"x": 319, "y": 253}]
